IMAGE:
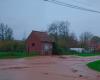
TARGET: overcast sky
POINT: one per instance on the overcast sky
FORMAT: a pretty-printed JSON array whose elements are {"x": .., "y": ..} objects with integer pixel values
[{"x": 27, "y": 15}]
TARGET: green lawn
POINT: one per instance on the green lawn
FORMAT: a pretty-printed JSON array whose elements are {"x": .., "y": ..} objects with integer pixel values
[
  {"x": 5, "y": 55},
  {"x": 81, "y": 54},
  {"x": 94, "y": 65},
  {"x": 88, "y": 54}
]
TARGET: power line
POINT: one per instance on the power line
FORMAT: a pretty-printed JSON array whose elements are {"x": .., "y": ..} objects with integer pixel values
[
  {"x": 80, "y": 2},
  {"x": 71, "y": 6}
]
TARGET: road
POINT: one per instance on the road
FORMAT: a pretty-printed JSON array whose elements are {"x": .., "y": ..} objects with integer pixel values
[{"x": 48, "y": 68}]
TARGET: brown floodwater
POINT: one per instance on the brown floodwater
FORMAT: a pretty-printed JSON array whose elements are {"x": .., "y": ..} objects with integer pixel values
[{"x": 48, "y": 68}]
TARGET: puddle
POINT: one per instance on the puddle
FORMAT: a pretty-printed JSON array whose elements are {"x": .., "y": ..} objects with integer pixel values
[
  {"x": 39, "y": 63},
  {"x": 62, "y": 57},
  {"x": 46, "y": 73},
  {"x": 9, "y": 68},
  {"x": 74, "y": 70},
  {"x": 19, "y": 60}
]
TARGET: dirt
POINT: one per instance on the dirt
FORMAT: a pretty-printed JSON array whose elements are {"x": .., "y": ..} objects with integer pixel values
[{"x": 48, "y": 68}]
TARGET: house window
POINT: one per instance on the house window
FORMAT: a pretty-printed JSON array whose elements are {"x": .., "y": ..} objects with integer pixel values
[{"x": 33, "y": 44}]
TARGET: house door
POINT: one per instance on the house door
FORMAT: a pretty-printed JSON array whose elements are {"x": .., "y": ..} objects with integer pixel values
[{"x": 46, "y": 49}]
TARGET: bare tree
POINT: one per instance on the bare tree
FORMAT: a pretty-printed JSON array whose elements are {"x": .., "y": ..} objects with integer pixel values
[
  {"x": 2, "y": 30},
  {"x": 95, "y": 42},
  {"x": 6, "y": 33},
  {"x": 59, "y": 31},
  {"x": 85, "y": 39},
  {"x": 63, "y": 29},
  {"x": 96, "y": 39},
  {"x": 53, "y": 30},
  {"x": 73, "y": 42}
]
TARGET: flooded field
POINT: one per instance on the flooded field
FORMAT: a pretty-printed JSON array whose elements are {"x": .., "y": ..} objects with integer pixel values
[{"x": 48, "y": 68}]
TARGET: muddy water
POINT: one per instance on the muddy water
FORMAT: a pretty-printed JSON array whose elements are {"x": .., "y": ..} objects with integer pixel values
[{"x": 48, "y": 68}]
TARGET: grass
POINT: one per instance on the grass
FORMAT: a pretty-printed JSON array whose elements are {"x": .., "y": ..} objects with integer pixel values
[
  {"x": 6, "y": 55},
  {"x": 88, "y": 54},
  {"x": 63, "y": 51},
  {"x": 81, "y": 54},
  {"x": 94, "y": 65}
]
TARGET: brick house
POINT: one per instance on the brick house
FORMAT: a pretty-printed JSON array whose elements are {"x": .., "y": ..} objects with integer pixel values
[
  {"x": 39, "y": 42},
  {"x": 94, "y": 46}
]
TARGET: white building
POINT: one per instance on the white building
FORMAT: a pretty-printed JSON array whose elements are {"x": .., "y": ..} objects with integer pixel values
[{"x": 77, "y": 49}]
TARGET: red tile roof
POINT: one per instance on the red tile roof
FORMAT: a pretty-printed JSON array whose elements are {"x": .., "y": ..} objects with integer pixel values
[{"x": 43, "y": 36}]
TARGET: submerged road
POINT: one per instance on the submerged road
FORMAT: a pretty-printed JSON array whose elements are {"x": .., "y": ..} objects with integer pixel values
[{"x": 48, "y": 68}]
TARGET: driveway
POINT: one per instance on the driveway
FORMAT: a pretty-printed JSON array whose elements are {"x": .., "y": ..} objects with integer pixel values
[{"x": 48, "y": 68}]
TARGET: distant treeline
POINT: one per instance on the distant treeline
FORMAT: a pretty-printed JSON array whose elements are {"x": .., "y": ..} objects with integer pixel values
[
  {"x": 7, "y": 41},
  {"x": 12, "y": 45},
  {"x": 58, "y": 31}
]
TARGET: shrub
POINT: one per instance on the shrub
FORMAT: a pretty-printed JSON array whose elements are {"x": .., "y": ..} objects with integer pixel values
[
  {"x": 57, "y": 50},
  {"x": 12, "y": 45}
]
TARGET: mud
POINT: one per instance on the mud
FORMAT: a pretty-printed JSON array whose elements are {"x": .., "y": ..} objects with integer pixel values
[{"x": 48, "y": 68}]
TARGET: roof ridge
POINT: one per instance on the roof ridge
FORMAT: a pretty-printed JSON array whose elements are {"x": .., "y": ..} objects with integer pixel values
[{"x": 39, "y": 31}]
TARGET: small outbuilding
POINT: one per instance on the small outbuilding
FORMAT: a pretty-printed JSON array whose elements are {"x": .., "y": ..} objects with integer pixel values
[
  {"x": 39, "y": 42},
  {"x": 77, "y": 49}
]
